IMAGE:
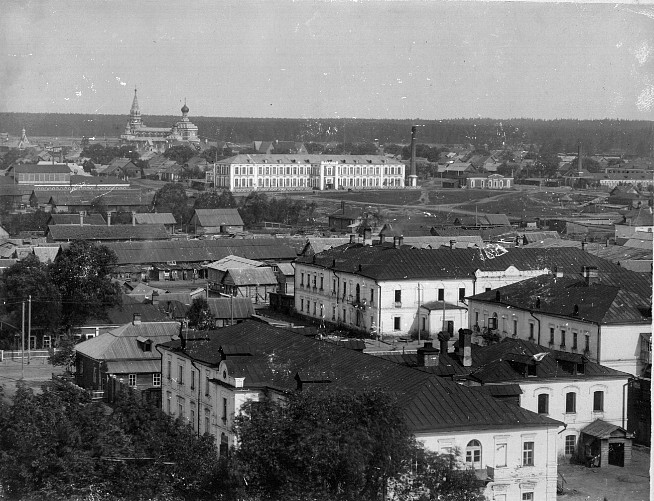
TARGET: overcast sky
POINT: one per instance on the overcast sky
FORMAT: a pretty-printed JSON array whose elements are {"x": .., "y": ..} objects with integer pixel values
[{"x": 370, "y": 59}]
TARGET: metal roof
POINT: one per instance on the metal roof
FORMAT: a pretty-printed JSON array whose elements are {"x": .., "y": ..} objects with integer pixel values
[
  {"x": 224, "y": 307},
  {"x": 307, "y": 159},
  {"x": 200, "y": 251},
  {"x": 430, "y": 403},
  {"x": 218, "y": 217},
  {"x": 67, "y": 232},
  {"x": 618, "y": 297},
  {"x": 155, "y": 218},
  {"x": 121, "y": 344},
  {"x": 234, "y": 262},
  {"x": 90, "y": 219},
  {"x": 134, "y": 366},
  {"x": 384, "y": 262},
  {"x": 250, "y": 276}
]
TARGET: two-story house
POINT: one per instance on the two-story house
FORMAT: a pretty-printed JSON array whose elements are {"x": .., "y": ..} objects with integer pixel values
[
  {"x": 208, "y": 376},
  {"x": 389, "y": 288},
  {"x": 604, "y": 315}
]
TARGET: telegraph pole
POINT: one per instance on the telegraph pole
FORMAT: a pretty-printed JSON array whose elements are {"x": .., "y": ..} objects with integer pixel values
[
  {"x": 29, "y": 328},
  {"x": 22, "y": 345}
]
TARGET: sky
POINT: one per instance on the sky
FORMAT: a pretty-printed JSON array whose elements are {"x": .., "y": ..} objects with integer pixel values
[{"x": 329, "y": 59}]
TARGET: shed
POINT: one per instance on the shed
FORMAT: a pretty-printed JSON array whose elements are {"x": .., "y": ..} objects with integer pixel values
[{"x": 610, "y": 442}]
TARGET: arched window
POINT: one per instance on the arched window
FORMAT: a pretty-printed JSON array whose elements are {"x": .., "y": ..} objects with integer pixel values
[{"x": 473, "y": 454}]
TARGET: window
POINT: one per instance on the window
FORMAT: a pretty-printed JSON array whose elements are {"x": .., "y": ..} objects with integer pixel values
[
  {"x": 170, "y": 370},
  {"x": 527, "y": 496},
  {"x": 570, "y": 402},
  {"x": 132, "y": 379},
  {"x": 441, "y": 294},
  {"x": 180, "y": 375},
  {"x": 192, "y": 379},
  {"x": 193, "y": 415},
  {"x": 598, "y": 401},
  {"x": 301, "y": 304},
  {"x": 301, "y": 279},
  {"x": 462, "y": 294},
  {"x": 224, "y": 410},
  {"x": 206, "y": 385},
  {"x": 500, "y": 454},
  {"x": 528, "y": 454},
  {"x": 570, "y": 442},
  {"x": 334, "y": 288},
  {"x": 515, "y": 326},
  {"x": 398, "y": 296},
  {"x": 396, "y": 323},
  {"x": 531, "y": 331},
  {"x": 587, "y": 348},
  {"x": 322, "y": 282},
  {"x": 180, "y": 407},
  {"x": 156, "y": 379},
  {"x": 543, "y": 403},
  {"x": 169, "y": 397},
  {"x": 473, "y": 454},
  {"x": 372, "y": 296},
  {"x": 207, "y": 426},
  {"x": 47, "y": 341},
  {"x": 551, "y": 335},
  {"x": 574, "y": 340},
  {"x": 562, "y": 338}
]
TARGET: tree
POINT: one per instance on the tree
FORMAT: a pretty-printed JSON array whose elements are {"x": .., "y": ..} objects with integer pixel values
[
  {"x": 29, "y": 277},
  {"x": 60, "y": 445},
  {"x": 199, "y": 315},
  {"x": 322, "y": 445},
  {"x": 255, "y": 208},
  {"x": 215, "y": 200},
  {"x": 180, "y": 153},
  {"x": 89, "y": 167},
  {"x": 172, "y": 198},
  {"x": 81, "y": 272}
]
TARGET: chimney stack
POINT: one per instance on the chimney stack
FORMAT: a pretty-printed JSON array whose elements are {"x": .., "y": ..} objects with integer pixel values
[
  {"x": 452, "y": 243},
  {"x": 381, "y": 238},
  {"x": 400, "y": 241},
  {"x": 428, "y": 355},
  {"x": 465, "y": 346},
  {"x": 583, "y": 245},
  {"x": 155, "y": 298},
  {"x": 137, "y": 319},
  {"x": 352, "y": 238},
  {"x": 395, "y": 240},
  {"x": 81, "y": 218},
  {"x": 591, "y": 274},
  {"x": 367, "y": 236},
  {"x": 579, "y": 158},
  {"x": 108, "y": 218},
  {"x": 133, "y": 218},
  {"x": 443, "y": 338}
]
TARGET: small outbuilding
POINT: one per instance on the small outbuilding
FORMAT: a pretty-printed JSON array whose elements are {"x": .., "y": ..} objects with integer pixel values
[{"x": 610, "y": 442}]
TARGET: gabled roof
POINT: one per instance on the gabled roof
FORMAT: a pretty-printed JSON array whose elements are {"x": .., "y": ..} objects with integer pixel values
[
  {"x": 90, "y": 219},
  {"x": 618, "y": 297},
  {"x": 46, "y": 253},
  {"x": 232, "y": 261},
  {"x": 123, "y": 314},
  {"x": 87, "y": 197},
  {"x": 155, "y": 218},
  {"x": 603, "y": 430},
  {"x": 40, "y": 169},
  {"x": 218, "y": 217},
  {"x": 200, "y": 251},
  {"x": 121, "y": 344},
  {"x": 273, "y": 357},
  {"x": 251, "y": 276},
  {"x": 68, "y": 232},
  {"x": 226, "y": 307}
]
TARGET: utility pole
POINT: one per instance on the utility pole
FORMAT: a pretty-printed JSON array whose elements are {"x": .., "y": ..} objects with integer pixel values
[
  {"x": 22, "y": 345},
  {"x": 419, "y": 313},
  {"x": 29, "y": 327}
]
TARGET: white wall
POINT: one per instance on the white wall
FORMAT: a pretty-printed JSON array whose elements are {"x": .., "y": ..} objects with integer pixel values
[
  {"x": 511, "y": 478},
  {"x": 584, "y": 390}
]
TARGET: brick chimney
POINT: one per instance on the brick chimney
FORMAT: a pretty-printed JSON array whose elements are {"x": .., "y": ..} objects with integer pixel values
[
  {"x": 443, "y": 338},
  {"x": 381, "y": 239},
  {"x": 137, "y": 319},
  {"x": 428, "y": 355},
  {"x": 395, "y": 240},
  {"x": 352, "y": 238},
  {"x": 465, "y": 347},
  {"x": 367, "y": 236},
  {"x": 591, "y": 274},
  {"x": 400, "y": 241},
  {"x": 452, "y": 243},
  {"x": 81, "y": 218}
]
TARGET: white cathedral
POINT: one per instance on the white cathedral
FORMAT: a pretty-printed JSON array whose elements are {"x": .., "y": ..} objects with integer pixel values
[{"x": 158, "y": 139}]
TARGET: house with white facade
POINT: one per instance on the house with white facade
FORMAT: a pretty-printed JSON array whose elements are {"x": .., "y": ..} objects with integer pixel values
[
  {"x": 279, "y": 172},
  {"x": 604, "y": 315},
  {"x": 564, "y": 386},
  {"x": 389, "y": 288},
  {"x": 208, "y": 377},
  {"x": 490, "y": 181}
]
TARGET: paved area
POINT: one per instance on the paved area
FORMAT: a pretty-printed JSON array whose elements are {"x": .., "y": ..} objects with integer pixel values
[
  {"x": 35, "y": 374},
  {"x": 611, "y": 483}
]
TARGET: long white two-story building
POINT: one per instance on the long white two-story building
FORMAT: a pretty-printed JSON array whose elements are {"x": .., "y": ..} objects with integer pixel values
[
  {"x": 389, "y": 288},
  {"x": 278, "y": 172}
]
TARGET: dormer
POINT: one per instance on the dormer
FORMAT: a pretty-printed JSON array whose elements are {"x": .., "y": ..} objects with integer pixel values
[
  {"x": 144, "y": 344},
  {"x": 526, "y": 365},
  {"x": 311, "y": 377},
  {"x": 572, "y": 363}
]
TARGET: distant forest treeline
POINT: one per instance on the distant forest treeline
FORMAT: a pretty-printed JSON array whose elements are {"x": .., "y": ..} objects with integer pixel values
[{"x": 596, "y": 136}]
